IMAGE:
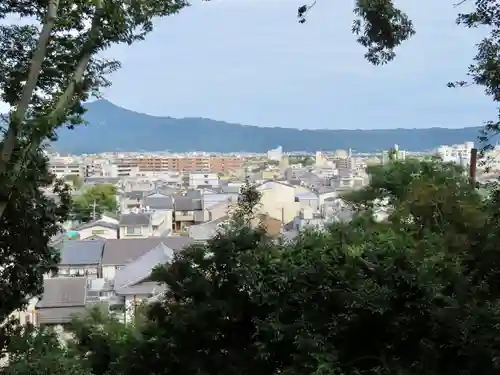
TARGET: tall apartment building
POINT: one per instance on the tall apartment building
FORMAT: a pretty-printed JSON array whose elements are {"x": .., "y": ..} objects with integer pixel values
[{"x": 200, "y": 164}]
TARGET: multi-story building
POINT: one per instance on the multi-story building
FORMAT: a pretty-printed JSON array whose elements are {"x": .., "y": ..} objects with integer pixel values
[
  {"x": 64, "y": 166},
  {"x": 203, "y": 179},
  {"x": 459, "y": 153},
  {"x": 163, "y": 164}
]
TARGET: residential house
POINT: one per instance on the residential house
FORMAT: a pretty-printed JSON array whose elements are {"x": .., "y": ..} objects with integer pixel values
[
  {"x": 308, "y": 218},
  {"x": 308, "y": 199},
  {"x": 205, "y": 231},
  {"x": 326, "y": 192},
  {"x": 278, "y": 200},
  {"x": 98, "y": 180},
  {"x": 101, "y": 228},
  {"x": 81, "y": 258},
  {"x": 188, "y": 211},
  {"x": 140, "y": 184},
  {"x": 62, "y": 299},
  {"x": 272, "y": 225},
  {"x": 163, "y": 208},
  {"x": 203, "y": 179},
  {"x": 131, "y": 199},
  {"x": 136, "y": 225},
  {"x": 118, "y": 253},
  {"x": 221, "y": 194},
  {"x": 132, "y": 282}
]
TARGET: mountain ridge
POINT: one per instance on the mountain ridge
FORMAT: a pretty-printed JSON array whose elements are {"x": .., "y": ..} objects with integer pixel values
[{"x": 113, "y": 128}]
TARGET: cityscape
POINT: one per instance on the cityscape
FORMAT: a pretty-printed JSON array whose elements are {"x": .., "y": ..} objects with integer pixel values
[
  {"x": 229, "y": 187},
  {"x": 167, "y": 202}
]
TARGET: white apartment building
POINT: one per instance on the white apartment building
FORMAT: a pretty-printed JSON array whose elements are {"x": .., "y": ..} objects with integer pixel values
[
  {"x": 459, "y": 153},
  {"x": 201, "y": 179},
  {"x": 64, "y": 166}
]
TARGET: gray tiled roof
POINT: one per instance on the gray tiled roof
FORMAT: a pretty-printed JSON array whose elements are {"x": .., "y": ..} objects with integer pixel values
[
  {"x": 176, "y": 243},
  {"x": 123, "y": 251},
  {"x": 141, "y": 268},
  {"x": 135, "y": 219},
  {"x": 95, "y": 223},
  {"x": 81, "y": 252},
  {"x": 159, "y": 203},
  {"x": 63, "y": 292},
  {"x": 147, "y": 287},
  {"x": 59, "y": 315},
  {"x": 187, "y": 204},
  {"x": 230, "y": 189},
  {"x": 134, "y": 195},
  {"x": 102, "y": 180}
]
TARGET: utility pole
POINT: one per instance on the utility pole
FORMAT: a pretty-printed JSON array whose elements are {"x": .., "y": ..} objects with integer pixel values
[{"x": 94, "y": 205}]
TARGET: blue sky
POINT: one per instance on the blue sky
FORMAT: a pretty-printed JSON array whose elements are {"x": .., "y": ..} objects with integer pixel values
[{"x": 249, "y": 61}]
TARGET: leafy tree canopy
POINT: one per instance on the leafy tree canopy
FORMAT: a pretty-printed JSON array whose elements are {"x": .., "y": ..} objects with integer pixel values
[
  {"x": 94, "y": 202},
  {"x": 29, "y": 222},
  {"x": 48, "y": 67},
  {"x": 75, "y": 180},
  {"x": 363, "y": 297}
]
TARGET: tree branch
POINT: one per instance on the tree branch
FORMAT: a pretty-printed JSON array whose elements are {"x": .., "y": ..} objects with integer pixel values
[
  {"x": 19, "y": 114},
  {"x": 62, "y": 103}
]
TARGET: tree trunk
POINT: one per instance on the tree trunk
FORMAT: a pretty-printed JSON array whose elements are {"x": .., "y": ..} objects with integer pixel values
[
  {"x": 62, "y": 103},
  {"x": 17, "y": 118}
]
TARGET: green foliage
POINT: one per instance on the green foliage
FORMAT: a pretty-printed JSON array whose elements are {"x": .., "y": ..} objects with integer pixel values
[
  {"x": 304, "y": 160},
  {"x": 248, "y": 200},
  {"x": 103, "y": 339},
  {"x": 95, "y": 200},
  {"x": 40, "y": 352},
  {"x": 397, "y": 297},
  {"x": 28, "y": 223},
  {"x": 75, "y": 180},
  {"x": 380, "y": 27},
  {"x": 48, "y": 67},
  {"x": 417, "y": 296}
]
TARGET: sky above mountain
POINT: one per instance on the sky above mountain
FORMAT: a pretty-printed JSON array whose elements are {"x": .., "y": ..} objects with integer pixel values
[{"x": 249, "y": 61}]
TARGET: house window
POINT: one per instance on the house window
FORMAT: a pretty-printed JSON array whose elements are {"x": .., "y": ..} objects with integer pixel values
[
  {"x": 206, "y": 175},
  {"x": 98, "y": 231},
  {"x": 133, "y": 230},
  {"x": 206, "y": 182}
]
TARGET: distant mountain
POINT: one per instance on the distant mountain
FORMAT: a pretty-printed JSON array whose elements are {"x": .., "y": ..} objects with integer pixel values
[{"x": 112, "y": 128}]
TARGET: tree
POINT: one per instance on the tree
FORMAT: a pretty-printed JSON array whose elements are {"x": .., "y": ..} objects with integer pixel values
[
  {"x": 59, "y": 65},
  {"x": 103, "y": 339},
  {"x": 75, "y": 180},
  {"x": 38, "y": 351},
  {"x": 364, "y": 297},
  {"x": 30, "y": 220},
  {"x": 94, "y": 202},
  {"x": 47, "y": 69}
]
